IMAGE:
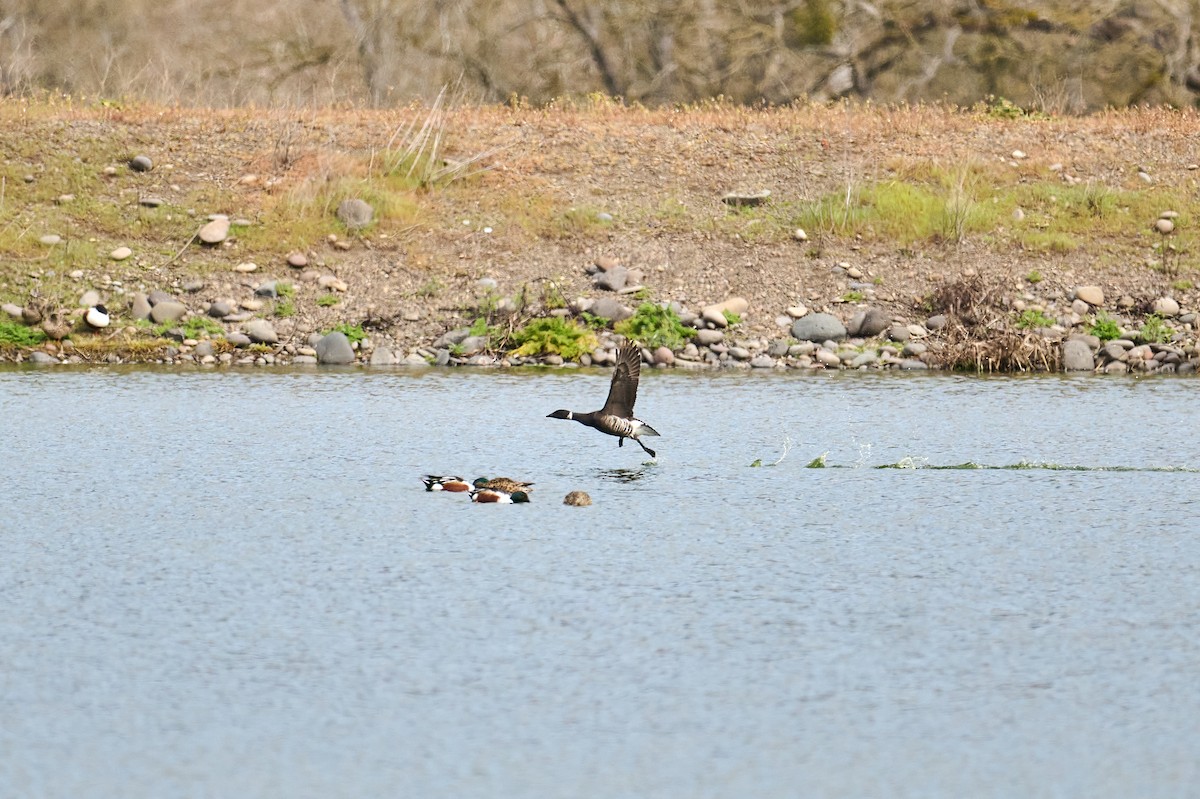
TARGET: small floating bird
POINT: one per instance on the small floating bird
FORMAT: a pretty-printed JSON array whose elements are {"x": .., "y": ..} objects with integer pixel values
[
  {"x": 435, "y": 482},
  {"x": 505, "y": 485},
  {"x": 616, "y": 417},
  {"x": 96, "y": 317},
  {"x": 578, "y": 499},
  {"x": 499, "y": 497}
]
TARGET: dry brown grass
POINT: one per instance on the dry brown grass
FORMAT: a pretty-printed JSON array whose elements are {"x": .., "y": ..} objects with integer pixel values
[{"x": 979, "y": 335}]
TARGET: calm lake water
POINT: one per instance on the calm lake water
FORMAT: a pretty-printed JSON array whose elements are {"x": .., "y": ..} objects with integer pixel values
[{"x": 234, "y": 584}]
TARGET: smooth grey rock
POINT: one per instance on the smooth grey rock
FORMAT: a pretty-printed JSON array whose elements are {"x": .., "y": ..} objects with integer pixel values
[
  {"x": 452, "y": 337},
  {"x": 334, "y": 348},
  {"x": 873, "y": 322},
  {"x": 664, "y": 356},
  {"x": 415, "y": 359},
  {"x": 612, "y": 280},
  {"x": 762, "y": 362},
  {"x": 746, "y": 199},
  {"x": 714, "y": 316},
  {"x": 818, "y": 327},
  {"x": 141, "y": 163},
  {"x": 864, "y": 359},
  {"x": 1077, "y": 356},
  {"x": 37, "y": 356},
  {"x": 473, "y": 345},
  {"x": 157, "y": 296},
  {"x": 192, "y": 286},
  {"x": 777, "y": 348},
  {"x": 203, "y": 350},
  {"x": 50, "y": 239},
  {"x": 260, "y": 331},
  {"x": 355, "y": 213},
  {"x": 268, "y": 288},
  {"x": 936, "y": 322},
  {"x": 239, "y": 316},
  {"x": 297, "y": 260},
  {"x": 914, "y": 348},
  {"x": 150, "y": 202},
  {"x": 139, "y": 307},
  {"x": 238, "y": 339},
  {"x": 740, "y": 353},
  {"x": 706, "y": 337},
  {"x": 382, "y": 356},
  {"x": 12, "y": 309},
  {"x": 610, "y": 308},
  {"x": 304, "y": 359},
  {"x": 913, "y": 365},
  {"x": 899, "y": 333},
  {"x": 220, "y": 309},
  {"x": 167, "y": 311},
  {"x": 89, "y": 299}
]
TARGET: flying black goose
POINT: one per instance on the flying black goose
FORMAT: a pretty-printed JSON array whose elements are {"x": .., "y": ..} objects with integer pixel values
[{"x": 616, "y": 417}]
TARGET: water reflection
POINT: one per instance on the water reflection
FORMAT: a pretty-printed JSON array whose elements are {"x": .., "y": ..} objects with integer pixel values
[{"x": 624, "y": 475}]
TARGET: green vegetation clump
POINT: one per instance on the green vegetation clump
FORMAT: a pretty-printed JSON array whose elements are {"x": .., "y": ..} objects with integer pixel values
[
  {"x": 1034, "y": 277},
  {"x": 553, "y": 335},
  {"x": 327, "y": 300},
  {"x": 655, "y": 326},
  {"x": 16, "y": 334},
  {"x": 194, "y": 326},
  {"x": 1104, "y": 327},
  {"x": 732, "y": 318},
  {"x": 353, "y": 332},
  {"x": 1155, "y": 330},
  {"x": 285, "y": 308},
  {"x": 1031, "y": 318}
]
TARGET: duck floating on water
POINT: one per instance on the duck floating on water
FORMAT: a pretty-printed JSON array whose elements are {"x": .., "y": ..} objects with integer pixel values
[
  {"x": 499, "y": 497},
  {"x": 505, "y": 485},
  {"x": 451, "y": 483},
  {"x": 616, "y": 417}
]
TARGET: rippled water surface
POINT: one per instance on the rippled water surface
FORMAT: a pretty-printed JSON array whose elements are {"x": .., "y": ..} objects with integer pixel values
[{"x": 234, "y": 584}]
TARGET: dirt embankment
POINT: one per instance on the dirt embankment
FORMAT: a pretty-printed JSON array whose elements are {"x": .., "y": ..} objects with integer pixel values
[{"x": 481, "y": 210}]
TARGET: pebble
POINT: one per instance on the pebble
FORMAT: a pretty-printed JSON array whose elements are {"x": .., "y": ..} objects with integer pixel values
[
  {"x": 297, "y": 260},
  {"x": 1092, "y": 295},
  {"x": 50, "y": 239},
  {"x": 246, "y": 267},
  {"x": 214, "y": 232},
  {"x": 611, "y": 280},
  {"x": 260, "y": 331},
  {"x": 332, "y": 282},
  {"x": 120, "y": 253},
  {"x": 89, "y": 298},
  {"x": 167, "y": 311},
  {"x": 150, "y": 202},
  {"x": 141, "y": 163},
  {"x": 1164, "y": 226}
]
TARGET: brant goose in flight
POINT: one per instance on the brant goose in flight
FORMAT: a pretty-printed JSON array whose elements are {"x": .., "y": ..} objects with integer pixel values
[
  {"x": 616, "y": 417},
  {"x": 435, "y": 482}
]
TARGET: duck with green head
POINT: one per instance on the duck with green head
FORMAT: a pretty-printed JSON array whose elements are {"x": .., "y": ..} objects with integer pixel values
[{"x": 499, "y": 497}]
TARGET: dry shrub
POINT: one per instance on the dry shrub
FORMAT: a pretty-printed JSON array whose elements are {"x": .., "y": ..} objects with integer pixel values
[{"x": 979, "y": 334}]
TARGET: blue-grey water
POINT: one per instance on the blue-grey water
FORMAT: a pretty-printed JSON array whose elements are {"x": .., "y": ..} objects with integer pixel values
[{"x": 234, "y": 584}]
